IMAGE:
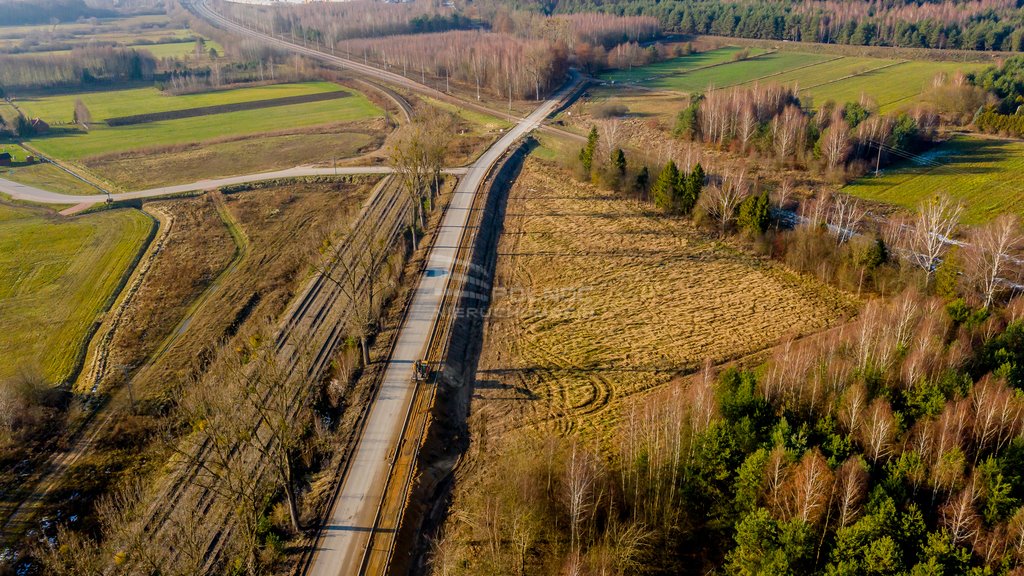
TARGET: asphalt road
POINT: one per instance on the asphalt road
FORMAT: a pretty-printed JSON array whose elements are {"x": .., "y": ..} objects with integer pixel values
[
  {"x": 345, "y": 534},
  {"x": 28, "y": 193}
]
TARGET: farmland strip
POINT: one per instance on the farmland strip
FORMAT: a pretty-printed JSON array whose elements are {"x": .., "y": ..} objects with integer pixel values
[{"x": 223, "y": 108}]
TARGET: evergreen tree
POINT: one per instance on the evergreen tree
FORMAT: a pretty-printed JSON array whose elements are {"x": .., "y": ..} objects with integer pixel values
[
  {"x": 619, "y": 162},
  {"x": 688, "y": 189},
  {"x": 587, "y": 152},
  {"x": 643, "y": 179},
  {"x": 664, "y": 190},
  {"x": 754, "y": 214}
]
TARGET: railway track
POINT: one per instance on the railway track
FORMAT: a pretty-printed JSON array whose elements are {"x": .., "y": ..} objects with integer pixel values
[{"x": 316, "y": 322}]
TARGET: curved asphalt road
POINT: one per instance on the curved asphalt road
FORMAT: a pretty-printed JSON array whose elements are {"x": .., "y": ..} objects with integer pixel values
[{"x": 28, "y": 193}]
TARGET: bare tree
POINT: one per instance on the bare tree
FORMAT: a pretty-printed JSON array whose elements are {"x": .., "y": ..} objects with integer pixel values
[
  {"x": 82, "y": 116},
  {"x": 852, "y": 486},
  {"x": 722, "y": 200},
  {"x": 930, "y": 234},
  {"x": 810, "y": 488},
  {"x": 835, "y": 143},
  {"x": 959, "y": 515},
  {"x": 409, "y": 159},
  {"x": 989, "y": 256},
  {"x": 844, "y": 216},
  {"x": 879, "y": 430},
  {"x": 579, "y": 489}
]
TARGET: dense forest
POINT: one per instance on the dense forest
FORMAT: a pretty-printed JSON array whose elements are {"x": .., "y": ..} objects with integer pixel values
[
  {"x": 970, "y": 25},
  {"x": 22, "y": 12}
]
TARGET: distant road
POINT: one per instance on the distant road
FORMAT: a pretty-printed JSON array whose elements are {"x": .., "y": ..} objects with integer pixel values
[{"x": 31, "y": 194}]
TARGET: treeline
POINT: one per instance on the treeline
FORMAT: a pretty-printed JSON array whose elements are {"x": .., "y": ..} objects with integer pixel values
[
  {"x": 1007, "y": 83},
  {"x": 501, "y": 65},
  {"x": 768, "y": 120},
  {"x": 20, "y": 12},
  {"x": 81, "y": 67},
  {"x": 330, "y": 22},
  {"x": 891, "y": 445},
  {"x": 969, "y": 25}
]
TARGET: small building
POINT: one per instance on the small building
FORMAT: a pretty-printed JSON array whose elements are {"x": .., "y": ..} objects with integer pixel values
[
  {"x": 40, "y": 126},
  {"x": 6, "y": 159},
  {"x": 30, "y": 159}
]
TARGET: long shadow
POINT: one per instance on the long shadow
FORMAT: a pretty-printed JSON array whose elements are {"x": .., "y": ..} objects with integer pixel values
[{"x": 451, "y": 409}]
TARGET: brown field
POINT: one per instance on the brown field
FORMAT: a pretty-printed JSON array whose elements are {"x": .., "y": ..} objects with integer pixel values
[
  {"x": 598, "y": 298},
  {"x": 194, "y": 234},
  {"x": 231, "y": 156},
  {"x": 282, "y": 228}
]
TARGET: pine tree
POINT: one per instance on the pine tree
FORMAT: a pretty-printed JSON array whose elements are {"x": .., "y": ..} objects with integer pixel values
[
  {"x": 688, "y": 189},
  {"x": 754, "y": 214},
  {"x": 619, "y": 162},
  {"x": 664, "y": 190},
  {"x": 643, "y": 179},
  {"x": 587, "y": 152}
]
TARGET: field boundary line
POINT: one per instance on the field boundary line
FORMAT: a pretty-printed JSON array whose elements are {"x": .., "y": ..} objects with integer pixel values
[
  {"x": 101, "y": 348},
  {"x": 851, "y": 76},
  {"x": 780, "y": 72},
  {"x": 698, "y": 68}
]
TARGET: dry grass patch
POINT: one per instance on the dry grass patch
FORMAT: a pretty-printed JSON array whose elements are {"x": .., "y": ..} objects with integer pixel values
[
  {"x": 283, "y": 228},
  {"x": 600, "y": 298},
  {"x": 231, "y": 156},
  {"x": 196, "y": 236}
]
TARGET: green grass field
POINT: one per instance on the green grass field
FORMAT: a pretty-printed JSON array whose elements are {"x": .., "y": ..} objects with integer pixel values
[
  {"x": 676, "y": 65},
  {"x": 738, "y": 72},
  {"x": 889, "y": 87},
  {"x": 101, "y": 139},
  {"x": 830, "y": 71},
  {"x": 178, "y": 49},
  {"x": 116, "y": 103},
  {"x": 56, "y": 277},
  {"x": 982, "y": 173},
  {"x": 822, "y": 77},
  {"x": 157, "y": 49}
]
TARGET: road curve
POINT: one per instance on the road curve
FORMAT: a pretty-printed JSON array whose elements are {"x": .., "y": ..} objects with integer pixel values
[{"x": 31, "y": 194}]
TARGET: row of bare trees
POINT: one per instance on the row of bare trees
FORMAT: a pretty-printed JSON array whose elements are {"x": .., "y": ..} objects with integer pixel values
[{"x": 499, "y": 64}]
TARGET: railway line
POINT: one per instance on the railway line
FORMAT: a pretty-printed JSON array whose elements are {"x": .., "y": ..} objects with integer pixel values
[
  {"x": 315, "y": 322},
  {"x": 345, "y": 538}
]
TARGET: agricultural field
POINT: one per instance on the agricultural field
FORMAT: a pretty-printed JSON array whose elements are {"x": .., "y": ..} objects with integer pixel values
[
  {"x": 598, "y": 299},
  {"x": 983, "y": 173},
  {"x": 889, "y": 83},
  {"x": 677, "y": 65},
  {"x": 213, "y": 142},
  {"x": 889, "y": 87},
  {"x": 738, "y": 72},
  {"x": 56, "y": 278}
]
